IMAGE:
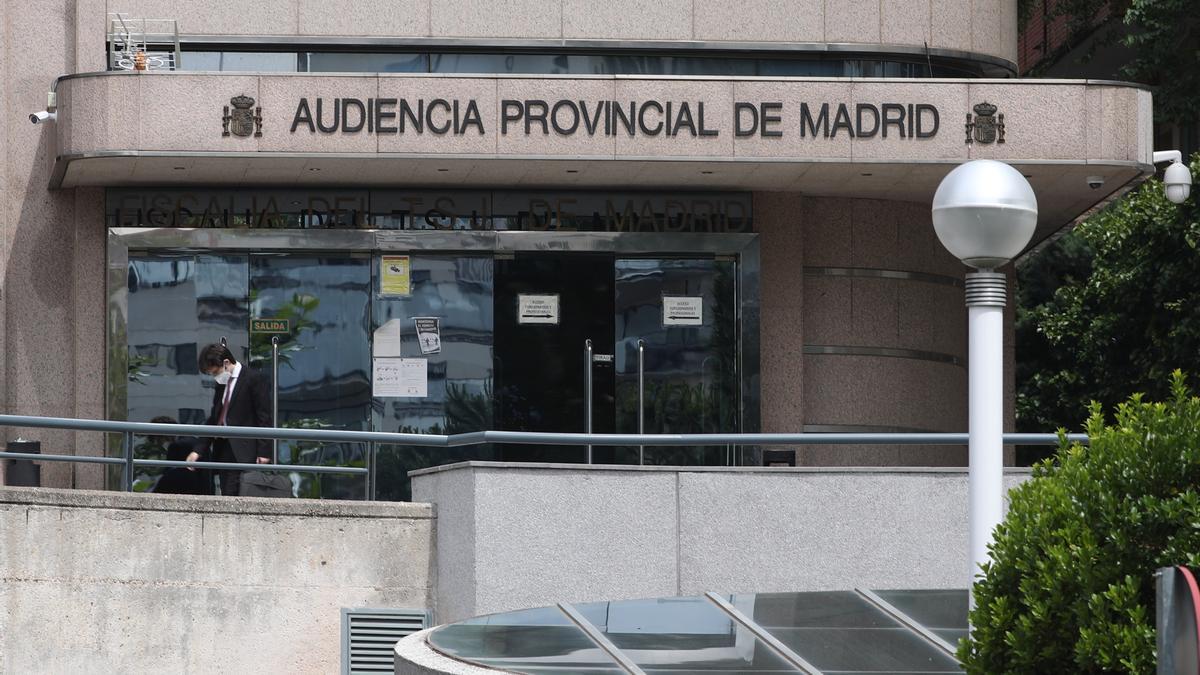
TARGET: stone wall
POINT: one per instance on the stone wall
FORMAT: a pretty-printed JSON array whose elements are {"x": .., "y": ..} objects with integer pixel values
[
  {"x": 511, "y": 536},
  {"x": 131, "y": 583}
]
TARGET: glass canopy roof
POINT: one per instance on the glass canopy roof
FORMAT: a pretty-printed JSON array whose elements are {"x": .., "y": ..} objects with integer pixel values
[{"x": 843, "y": 632}]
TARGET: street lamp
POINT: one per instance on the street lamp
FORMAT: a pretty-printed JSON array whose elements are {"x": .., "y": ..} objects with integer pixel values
[{"x": 985, "y": 212}]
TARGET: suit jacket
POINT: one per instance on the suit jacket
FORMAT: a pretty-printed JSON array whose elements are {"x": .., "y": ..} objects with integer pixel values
[{"x": 249, "y": 407}]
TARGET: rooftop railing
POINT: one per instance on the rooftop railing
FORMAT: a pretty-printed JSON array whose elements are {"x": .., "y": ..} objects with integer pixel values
[{"x": 373, "y": 439}]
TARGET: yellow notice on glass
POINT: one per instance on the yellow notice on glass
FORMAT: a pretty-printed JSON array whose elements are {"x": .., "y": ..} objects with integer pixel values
[{"x": 395, "y": 275}]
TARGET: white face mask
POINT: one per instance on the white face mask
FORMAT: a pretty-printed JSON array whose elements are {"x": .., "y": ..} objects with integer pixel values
[{"x": 222, "y": 377}]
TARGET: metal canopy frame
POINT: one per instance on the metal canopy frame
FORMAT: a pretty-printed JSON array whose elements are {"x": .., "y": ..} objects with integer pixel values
[{"x": 124, "y": 241}]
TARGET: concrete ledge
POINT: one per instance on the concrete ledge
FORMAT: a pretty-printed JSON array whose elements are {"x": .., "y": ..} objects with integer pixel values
[
  {"x": 834, "y": 470},
  {"x": 414, "y": 656},
  {"x": 212, "y": 504}
]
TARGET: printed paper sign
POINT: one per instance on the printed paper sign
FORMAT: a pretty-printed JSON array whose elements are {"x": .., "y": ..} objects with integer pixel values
[
  {"x": 429, "y": 334},
  {"x": 537, "y": 308},
  {"x": 681, "y": 310},
  {"x": 399, "y": 377},
  {"x": 395, "y": 276},
  {"x": 386, "y": 340}
]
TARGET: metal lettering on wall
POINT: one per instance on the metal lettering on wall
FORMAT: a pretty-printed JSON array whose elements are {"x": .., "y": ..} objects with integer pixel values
[
  {"x": 650, "y": 118},
  {"x": 432, "y": 210}
]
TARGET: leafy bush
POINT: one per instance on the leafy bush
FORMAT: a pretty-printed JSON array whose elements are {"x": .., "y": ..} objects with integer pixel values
[{"x": 1071, "y": 583}]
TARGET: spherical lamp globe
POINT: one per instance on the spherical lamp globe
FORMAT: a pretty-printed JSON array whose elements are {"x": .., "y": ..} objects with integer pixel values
[{"x": 984, "y": 213}]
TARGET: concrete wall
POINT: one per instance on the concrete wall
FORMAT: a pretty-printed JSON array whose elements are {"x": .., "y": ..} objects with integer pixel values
[
  {"x": 513, "y": 536},
  {"x": 128, "y": 583},
  {"x": 983, "y": 26}
]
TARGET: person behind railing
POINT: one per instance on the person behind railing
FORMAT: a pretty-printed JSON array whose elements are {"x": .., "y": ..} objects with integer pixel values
[
  {"x": 178, "y": 480},
  {"x": 242, "y": 399}
]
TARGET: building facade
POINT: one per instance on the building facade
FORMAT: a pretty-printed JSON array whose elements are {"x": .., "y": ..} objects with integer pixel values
[{"x": 456, "y": 215}]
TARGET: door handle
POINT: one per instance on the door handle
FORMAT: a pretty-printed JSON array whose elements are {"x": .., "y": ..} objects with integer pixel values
[{"x": 587, "y": 393}]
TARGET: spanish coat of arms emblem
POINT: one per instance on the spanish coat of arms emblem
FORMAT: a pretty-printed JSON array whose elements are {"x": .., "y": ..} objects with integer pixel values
[
  {"x": 986, "y": 127},
  {"x": 244, "y": 120}
]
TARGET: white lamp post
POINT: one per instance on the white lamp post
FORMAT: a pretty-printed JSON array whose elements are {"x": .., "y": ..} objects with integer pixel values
[{"x": 985, "y": 212}]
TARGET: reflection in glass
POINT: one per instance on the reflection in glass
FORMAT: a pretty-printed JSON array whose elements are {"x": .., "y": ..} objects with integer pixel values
[
  {"x": 521, "y": 641},
  {"x": 324, "y": 359},
  {"x": 690, "y": 370},
  {"x": 241, "y": 62},
  {"x": 176, "y": 305},
  {"x": 683, "y": 634},
  {"x": 458, "y": 291}
]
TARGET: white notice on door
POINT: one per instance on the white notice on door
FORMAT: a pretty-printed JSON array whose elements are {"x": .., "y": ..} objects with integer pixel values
[
  {"x": 399, "y": 377},
  {"x": 681, "y": 310},
  {"x": 537, "y": 308}
]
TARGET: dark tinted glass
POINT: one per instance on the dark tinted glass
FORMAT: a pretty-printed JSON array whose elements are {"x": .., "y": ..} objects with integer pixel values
[
  {"x": 944, "y": 609},
  {"x": 245, "y": 62},
  {"x": 360, "y": 62},
  {"x": 457, "y": 291}
]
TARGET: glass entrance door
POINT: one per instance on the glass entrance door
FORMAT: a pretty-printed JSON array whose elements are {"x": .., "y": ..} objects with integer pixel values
[{"x": 682, "y": 311}]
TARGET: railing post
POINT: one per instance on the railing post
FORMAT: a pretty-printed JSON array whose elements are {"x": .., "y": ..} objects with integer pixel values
[
  {"x": 127, "y": 452},
  {"x": 641, "y": 401},
  {"x": 275, "y": 396},
  {"x": 371, "y": 450},
  {"x": 587, "y": 394}
]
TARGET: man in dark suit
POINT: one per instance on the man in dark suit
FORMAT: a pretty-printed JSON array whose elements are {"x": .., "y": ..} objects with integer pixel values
[{"x": 242, "y": 399}]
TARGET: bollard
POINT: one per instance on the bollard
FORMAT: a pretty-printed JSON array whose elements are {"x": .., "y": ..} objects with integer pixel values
[{"x": 23, "y": 472}]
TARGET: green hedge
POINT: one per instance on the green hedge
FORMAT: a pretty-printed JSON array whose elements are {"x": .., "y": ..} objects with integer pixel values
[{"x": 1071, "y": 583}]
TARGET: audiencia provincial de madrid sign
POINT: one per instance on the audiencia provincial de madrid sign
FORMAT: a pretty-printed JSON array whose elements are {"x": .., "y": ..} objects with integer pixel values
[{"x": 647, "y": 118}]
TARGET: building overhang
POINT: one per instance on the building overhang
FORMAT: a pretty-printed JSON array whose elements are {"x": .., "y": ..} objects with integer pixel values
[{"x": 855, "y": 138}]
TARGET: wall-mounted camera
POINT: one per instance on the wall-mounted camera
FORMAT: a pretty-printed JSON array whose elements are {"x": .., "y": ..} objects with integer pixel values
[
  {"x": 43, "y": 116},
  {"x": 1095, "y": 182}
]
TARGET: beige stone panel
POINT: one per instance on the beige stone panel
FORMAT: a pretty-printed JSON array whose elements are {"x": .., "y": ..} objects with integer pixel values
[
  {"x": 828, "y": 301},
  {"x": 391, "y": 18},
  {"x": 917, "y": 245},
  {"x": 987, "y": 27},
  {"x": 1145, "y": 126},
  {"x": 627, "y": 19},
  {"x": 852, "y": 21},
  {"x": 90, "y": 31},
  {"x": 1009, "y": 31},
  {"x": 495, "y": 18},
  {"x": 950, "y": 24},
  {"x": 98, "y": 113},
  {"x": 547, "y": 141},
  {"x": 280, "y": 97},
  {"x": 760, "y": 20},
  {"x": 217, "y": 17},
  {"x": 869, "y": 390},
  {"x": 827, "y": 238},
  {"x": 717, "y": 97},
  {"x": 904, "y": 22},
  {"x": 1042, "y": 121},
  {"x": 183, "y": 112},
  {"x": 1111, "y": 123},
  {"x": 90, "y": 333},
  {"x": 874, "y": 312},
  {"x": 873, "y": 233},
  {"x": 931, "y": 317},
  {"x": 791, "y": 144},
  {"x": 950, "y": 100},
  {"x": 782, "y": 323}
]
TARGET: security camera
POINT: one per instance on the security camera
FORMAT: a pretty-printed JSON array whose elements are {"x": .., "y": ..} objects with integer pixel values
[
  {"x": 43, "y": 116},
  {"x": 1177, "y": 179},
  {"x": 1095, "y": 182}
]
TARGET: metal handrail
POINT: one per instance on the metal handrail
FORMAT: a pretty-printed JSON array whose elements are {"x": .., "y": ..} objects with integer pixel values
[{"x": 372, "y": 438}]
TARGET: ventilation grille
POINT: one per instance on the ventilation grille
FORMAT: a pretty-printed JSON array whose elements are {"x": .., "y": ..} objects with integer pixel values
[{"x": 369, "y": 637}]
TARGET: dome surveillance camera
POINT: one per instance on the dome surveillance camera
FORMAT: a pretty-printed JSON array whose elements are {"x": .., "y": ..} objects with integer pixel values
[
  {"x": 43, "y": 116},
  {"x": 1095, "y": 182},
  {"x": 1177, "y": 181}
]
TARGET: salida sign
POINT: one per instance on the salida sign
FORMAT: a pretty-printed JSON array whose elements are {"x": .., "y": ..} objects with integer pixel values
[{"x": 649, "y": 118}]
